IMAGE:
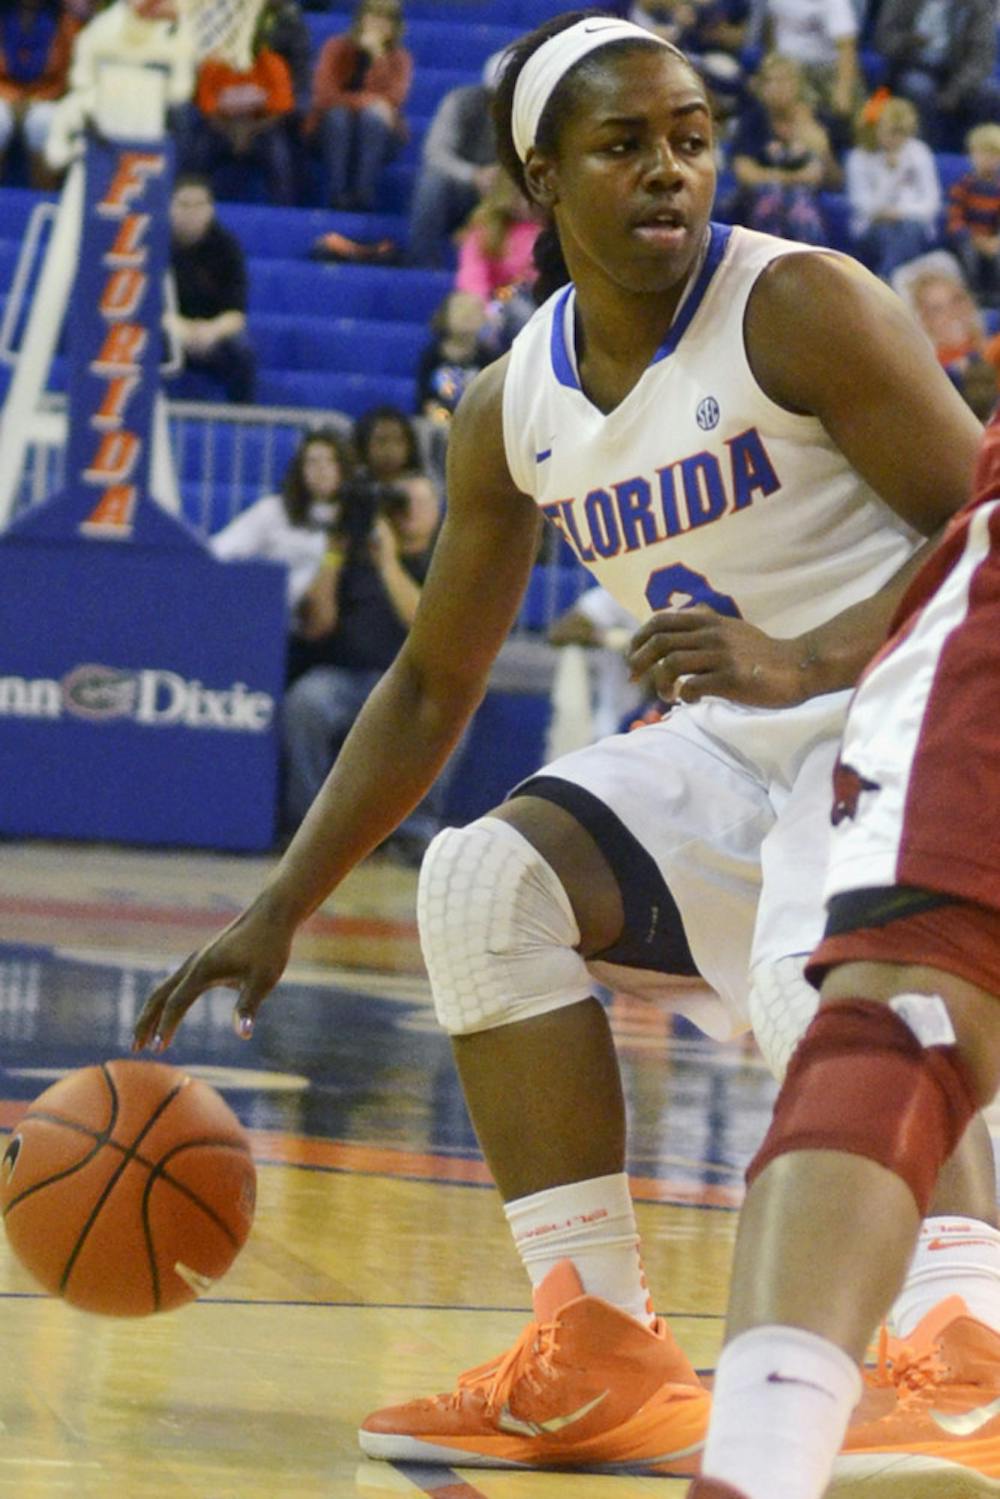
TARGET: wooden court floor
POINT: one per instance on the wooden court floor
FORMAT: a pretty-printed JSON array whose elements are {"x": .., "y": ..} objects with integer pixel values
[{"x": 379, "y": 1264}]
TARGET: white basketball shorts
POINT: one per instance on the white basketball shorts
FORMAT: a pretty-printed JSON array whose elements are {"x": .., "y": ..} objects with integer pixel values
[{"x": 728, "y": 809}]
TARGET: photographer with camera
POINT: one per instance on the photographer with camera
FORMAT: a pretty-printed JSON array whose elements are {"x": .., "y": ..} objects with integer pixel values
[{"x": 366, "y": 596}]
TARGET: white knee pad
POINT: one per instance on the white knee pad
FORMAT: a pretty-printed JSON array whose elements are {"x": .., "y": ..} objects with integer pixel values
[
  {"x": 781, "y": 1005},
  {"x": 497, "y": 930}
]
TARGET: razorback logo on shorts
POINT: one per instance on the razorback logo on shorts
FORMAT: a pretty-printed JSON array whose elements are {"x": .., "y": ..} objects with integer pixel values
[{"x": 847, "y": 789}]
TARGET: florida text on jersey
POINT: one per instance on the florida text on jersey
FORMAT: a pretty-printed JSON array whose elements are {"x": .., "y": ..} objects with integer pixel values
[{"x": 697, "y": 487}]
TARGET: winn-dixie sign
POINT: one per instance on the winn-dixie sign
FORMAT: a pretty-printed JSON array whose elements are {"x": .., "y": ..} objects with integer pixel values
[
  {"x": 115, "y": 334},
  {"x": 152, "y": 697}
]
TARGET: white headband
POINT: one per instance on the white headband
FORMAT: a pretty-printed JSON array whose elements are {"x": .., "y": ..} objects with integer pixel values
[{"x": 553, "y": 60}]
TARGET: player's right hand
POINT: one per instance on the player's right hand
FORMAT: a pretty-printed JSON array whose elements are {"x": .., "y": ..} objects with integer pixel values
[{"x": 250, "y": 956}]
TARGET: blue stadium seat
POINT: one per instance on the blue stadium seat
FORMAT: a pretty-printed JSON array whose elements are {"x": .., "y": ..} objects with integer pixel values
[
  {"x": 194, "y": 385},
  {"x": 480, "y": 12},
  {"x": 285, "y": 232},
  {"x": 413, "y": 147},
  {"x": 395, "y": 186},
  {"x": 340, "y": 345},
  {"x": 527, "y": 14},
  {"x": 431, "y": 84},
  {"x": 292, "y": 286},
  {"x": 352, "y": 394},
  {"x": 516, "y": 15}
]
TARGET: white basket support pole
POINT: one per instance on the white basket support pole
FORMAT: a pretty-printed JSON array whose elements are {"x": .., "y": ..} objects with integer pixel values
[
  {"x": 131, "y": 102},
  {"x": 163, "y": 484},
  {"x": 48, "y": 308}
]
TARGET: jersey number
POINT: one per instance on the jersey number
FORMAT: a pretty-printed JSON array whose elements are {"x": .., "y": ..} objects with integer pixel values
[{"x": 677, "y": 587}]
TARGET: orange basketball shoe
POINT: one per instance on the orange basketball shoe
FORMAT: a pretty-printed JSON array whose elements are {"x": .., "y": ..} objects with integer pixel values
[
  {"x": 712, "y": 1488},
  {"x": 585, "y": 1385},
  {"x": 928, "y": 1425}
]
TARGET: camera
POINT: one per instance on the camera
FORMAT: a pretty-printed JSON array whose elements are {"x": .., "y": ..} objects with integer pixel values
[{"x": 362, "y": 499}]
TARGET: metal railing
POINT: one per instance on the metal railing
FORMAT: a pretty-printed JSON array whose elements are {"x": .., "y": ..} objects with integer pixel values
[
  {"x": 225, "y": 457},
  {"x": 240, "y": 452}
]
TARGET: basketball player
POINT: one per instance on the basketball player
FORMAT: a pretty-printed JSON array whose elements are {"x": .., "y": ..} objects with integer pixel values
[
  {"x": 746, "y": 443},
  {"x": 908, "y": 1030}
]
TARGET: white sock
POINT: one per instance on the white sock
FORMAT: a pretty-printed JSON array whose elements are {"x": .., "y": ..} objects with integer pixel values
[
  {"x": 954, "y": 1257},
  {"x": 593, "y": 1224},
  {"x": 780, "y": 1408}
]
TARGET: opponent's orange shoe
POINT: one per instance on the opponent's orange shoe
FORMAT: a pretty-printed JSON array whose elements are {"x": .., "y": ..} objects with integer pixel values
[
  {"x": 585, "y": 1385},
  {"x": 929, "y": 1423}
]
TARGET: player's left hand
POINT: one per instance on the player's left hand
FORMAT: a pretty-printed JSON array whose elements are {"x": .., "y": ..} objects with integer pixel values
[
  {"x": 249, "y": 955},
  {"x": 693, "y": 653}
]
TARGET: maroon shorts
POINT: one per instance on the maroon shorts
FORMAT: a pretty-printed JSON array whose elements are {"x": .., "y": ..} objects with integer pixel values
[{"x": 956, "y": 937}]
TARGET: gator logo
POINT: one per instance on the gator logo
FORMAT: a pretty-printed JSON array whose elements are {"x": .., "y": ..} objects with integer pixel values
[{"x": 93, "y": 691}]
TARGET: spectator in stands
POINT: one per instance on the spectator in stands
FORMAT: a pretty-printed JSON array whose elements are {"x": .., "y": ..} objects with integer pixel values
[
  {"x": 698, "y": 27},
  {"x": 713, "y": 33},
  {"x": 942, "y": 56},
  {"x": 894, "y": 189},
  {"x": 942, "y": 304},
  {"x": 822, "y": 36},
  {"x": 781, "y": 156},
  {"x": 454, "y": 356},
  {"x": 282, "y": 27},
  {"x": 673, "y": 20},
  {"x": 36, "y": 39},
  {"x": 372, "y": 572},
  {"x": 359, "y": 88},
  {"x": 496, "y": 263},
  {"x": 211, "y": 282},
  {"x": 241, "y": 115},
  {"x": 457, "y": 168},
  {"x": 448, "y": 364},
  {"x": 292, "y": 526},
  {"x": 386, "y": 444},
  {"x": 497, "y": 243},
  {"x": 974, "y": 215}
]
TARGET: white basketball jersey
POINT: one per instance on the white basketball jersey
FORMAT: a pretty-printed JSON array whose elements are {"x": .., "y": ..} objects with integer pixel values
[{"x": 697, "y": 488}]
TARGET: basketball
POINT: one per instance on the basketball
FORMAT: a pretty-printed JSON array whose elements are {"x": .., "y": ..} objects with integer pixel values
[{"x": 127, "y": 1188}]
